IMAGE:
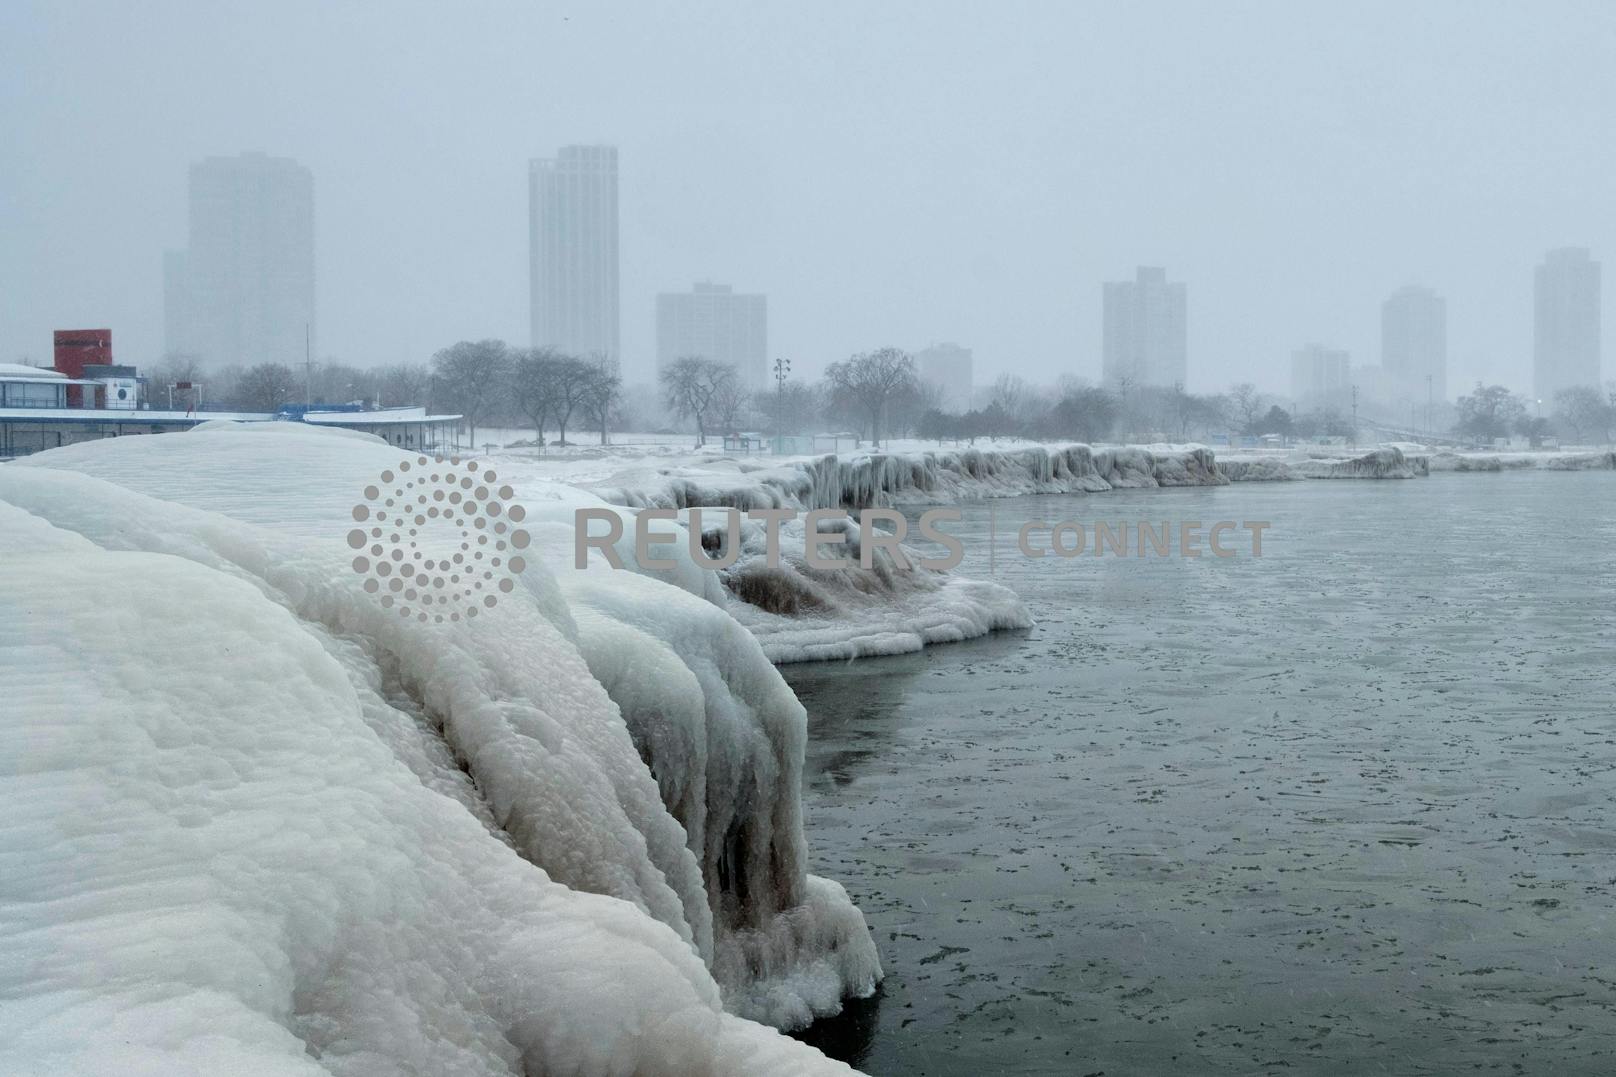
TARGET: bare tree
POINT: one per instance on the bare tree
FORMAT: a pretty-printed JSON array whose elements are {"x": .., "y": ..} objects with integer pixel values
[
  {"x": 689, "y": 386},
  {"x": 1248, "y": 405},
  {"x": 339, "y": 383},
  {"x": 403, "y": 383},
  {"x": 1010, "y": 394},
  {"x": 730, "y": 401},
  {"x": 869, "y": 381},
  {"x": 473, "y": 377},
  {"x": 1586, "y": 411},
  {"x": 601, "y": 393},
  {"x": 266, "y": 387},
  {"x": 533, "y": 387}
]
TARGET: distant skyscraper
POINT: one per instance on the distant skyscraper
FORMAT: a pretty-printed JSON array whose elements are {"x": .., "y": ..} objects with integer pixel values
[
  {"x": 947, "y": 366},
  {"x": 1414, "y": 343},
  {"x": 1320, "y": 376},
  {"x": 713, "y": 322},
  {"x": 1145, "y": 339},
  {"x": 572, "y": 244},
  {"x": 243, "y": 292},
  {"x": 1566, "y": 351}
]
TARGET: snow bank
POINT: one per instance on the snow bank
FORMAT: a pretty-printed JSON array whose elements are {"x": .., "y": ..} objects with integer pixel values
[{"x": 368, "y": 843}]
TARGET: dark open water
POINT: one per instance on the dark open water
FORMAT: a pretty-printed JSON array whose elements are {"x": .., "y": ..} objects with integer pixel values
[{"x": 1347, "y": 808}]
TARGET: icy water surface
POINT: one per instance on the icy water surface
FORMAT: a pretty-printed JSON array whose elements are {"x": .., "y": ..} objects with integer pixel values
[{"x": 1347, "y": 808}]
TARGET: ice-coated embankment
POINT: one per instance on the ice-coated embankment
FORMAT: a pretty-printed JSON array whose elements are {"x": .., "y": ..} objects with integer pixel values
[
  {"x": 1546, "y": 461},
  {"x": 804, "y": 613},
  {"x": 875, "y": 479},
  {"x": 1256, "y": 469},
  {"x": 309, "y": 835},
  {"x": 1384, "y": 463}
]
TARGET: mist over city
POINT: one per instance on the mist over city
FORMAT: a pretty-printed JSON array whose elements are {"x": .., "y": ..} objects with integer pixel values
[
  {"x": 727, "y": 539},
  {"x": 898, "y": 176}
]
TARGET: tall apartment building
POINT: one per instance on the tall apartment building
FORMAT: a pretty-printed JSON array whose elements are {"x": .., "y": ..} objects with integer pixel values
[
  {"x": 1414, "y": 344},
  {"x": 1145, "y": 337},
  {"x": 242, "y": 292},
  {"x": 948, "y": 367},
  {"x": 714, "y": 322},
  {"x": 572, "y": 245},
  {"x": 1566, "y": 340}
]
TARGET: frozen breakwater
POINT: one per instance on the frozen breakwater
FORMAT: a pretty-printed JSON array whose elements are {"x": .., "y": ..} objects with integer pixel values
[
  {"x": 1583, "y": 461},
  {"x": 942, "y": 476},
  {"x": 310, "y": 835},
  {"x": 876, "y": 479}
]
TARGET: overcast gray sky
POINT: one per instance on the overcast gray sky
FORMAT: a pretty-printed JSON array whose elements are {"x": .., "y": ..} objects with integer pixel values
[{"x": 886, "y": 173}]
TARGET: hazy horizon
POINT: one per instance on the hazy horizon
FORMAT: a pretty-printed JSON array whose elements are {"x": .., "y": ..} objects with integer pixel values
[{"x": 906, "y": 175}]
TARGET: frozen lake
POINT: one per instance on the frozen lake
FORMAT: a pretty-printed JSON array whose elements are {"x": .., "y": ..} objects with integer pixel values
[{"x": 1346, "y": 808}]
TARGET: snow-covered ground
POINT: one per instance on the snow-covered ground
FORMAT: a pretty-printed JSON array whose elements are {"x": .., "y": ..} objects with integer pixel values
[{"x": 257, "y": 822}]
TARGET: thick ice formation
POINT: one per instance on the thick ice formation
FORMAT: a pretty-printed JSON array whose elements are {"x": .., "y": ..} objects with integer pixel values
[
  {"x": 866, "y": 480},
  {"x": 1256, "y": 468},
  {"x": 803, "y": 613},
  {"x": 1383, "y": 463},
  {"x": 1554, "y": 461},
  {"x": 366, "y": 844}
]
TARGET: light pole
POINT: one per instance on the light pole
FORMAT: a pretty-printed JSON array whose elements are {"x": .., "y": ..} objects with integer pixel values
[
  {"x": 782, "y": 370},
  {"x": 1354, "y": 416}
]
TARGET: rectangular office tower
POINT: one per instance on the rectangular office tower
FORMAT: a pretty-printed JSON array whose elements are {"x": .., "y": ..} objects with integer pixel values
[
  {"x": 242, "y": 292},
  {"x": 712, "y": 322},
  {"x": 572, "y": 245},
  {"x": 1566, "y": 341},
  {"x": 1414, "y": 344},
  {"x": 1145, "y": 339}
]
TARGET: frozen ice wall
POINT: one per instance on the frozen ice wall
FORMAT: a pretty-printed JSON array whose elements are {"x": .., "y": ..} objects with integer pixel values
[
  {"x": 561, "y": 837},
  {"x": 866, "y": 480}
]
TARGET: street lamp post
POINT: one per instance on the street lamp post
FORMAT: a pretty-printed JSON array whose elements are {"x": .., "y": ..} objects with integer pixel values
[{"x": 782, "y": 370}]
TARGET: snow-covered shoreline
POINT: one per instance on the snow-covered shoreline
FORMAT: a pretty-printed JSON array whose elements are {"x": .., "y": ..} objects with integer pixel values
[
  {"x": 865, "y": 480},
  {"x": 262, "y": 823},
  {"x": 919, "y": 475}
]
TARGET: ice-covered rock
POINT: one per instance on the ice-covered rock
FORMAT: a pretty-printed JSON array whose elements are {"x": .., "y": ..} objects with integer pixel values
[
  {"x": 1383, "y": 463},
  {"x": 1592, "y": 461},
  {"x": 1523, "y": 461},
  {"x": 804, "y": 613},
  {"x": 368, "y": 843},
  {"x": 1256, "y": 468}
]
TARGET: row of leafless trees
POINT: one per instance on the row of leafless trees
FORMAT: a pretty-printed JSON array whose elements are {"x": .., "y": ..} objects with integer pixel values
[
  {"x": 872, "y": 392},
  {"x": 1583, "y": 414},
  {"x": 877, "y": 394},
  {"x": 268, "y": 386},
  {"x": 487, "y": 380}
]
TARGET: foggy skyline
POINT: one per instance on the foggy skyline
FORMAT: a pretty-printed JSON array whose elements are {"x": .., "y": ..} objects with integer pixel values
[{"x": 906, "y": 175}]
